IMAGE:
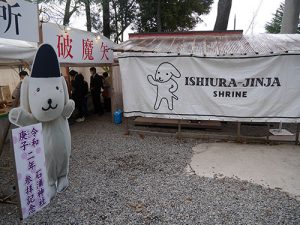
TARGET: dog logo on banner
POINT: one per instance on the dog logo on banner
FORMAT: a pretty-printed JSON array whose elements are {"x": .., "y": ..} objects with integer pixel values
[{"x": 165, "y": 82}]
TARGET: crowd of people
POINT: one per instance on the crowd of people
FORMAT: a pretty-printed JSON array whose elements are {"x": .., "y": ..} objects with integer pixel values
[{"x": 99, "y": 85}]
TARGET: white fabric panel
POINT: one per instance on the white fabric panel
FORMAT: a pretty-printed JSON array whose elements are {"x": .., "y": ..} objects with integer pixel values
[{"x": 212, "y": 88}]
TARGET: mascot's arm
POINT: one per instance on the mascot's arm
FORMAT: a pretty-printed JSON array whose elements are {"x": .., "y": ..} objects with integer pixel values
[
  {"x": 173, "y": 86},
  {"x": 68, "y": 109},
  {"x": 151, "y": 80},
  {"x": 20, "y": 117}
]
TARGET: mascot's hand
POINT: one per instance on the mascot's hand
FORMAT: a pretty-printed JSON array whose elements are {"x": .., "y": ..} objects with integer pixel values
[
  {"x": 14, "y": 115},
  {"x": 20, "y": 117},
  {"x": 68, "y": 109}
]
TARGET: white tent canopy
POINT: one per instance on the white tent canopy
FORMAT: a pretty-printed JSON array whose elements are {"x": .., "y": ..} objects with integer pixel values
[{"x": 14, "y": 52}]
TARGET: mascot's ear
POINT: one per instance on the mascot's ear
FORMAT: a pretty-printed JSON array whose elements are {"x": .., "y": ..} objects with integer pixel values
[
  {"x": 175, "y": 72},
  {"x": 65, "y": 89},
  {"x": 24, "y": 94}
]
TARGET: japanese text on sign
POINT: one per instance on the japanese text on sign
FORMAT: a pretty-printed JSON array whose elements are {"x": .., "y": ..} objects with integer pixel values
[
  {"x": 87, "y": 49},
  {"x": 76, "y": 46},
  {"x": 31, "y": 171},
  {"x": 64, "y": 46},
  {"x": 10, "y": 15},
  {"x": 19, "y": 20}
]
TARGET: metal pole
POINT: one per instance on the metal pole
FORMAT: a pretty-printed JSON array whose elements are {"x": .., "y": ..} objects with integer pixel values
[
  {"x": 5, "y": 134},
  {"x": 234, "y": 22}
]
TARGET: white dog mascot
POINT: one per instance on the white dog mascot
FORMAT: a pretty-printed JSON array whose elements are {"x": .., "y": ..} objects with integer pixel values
[
  {"x": 165, "y": 84},
  {"x": 44, "y": 98}
]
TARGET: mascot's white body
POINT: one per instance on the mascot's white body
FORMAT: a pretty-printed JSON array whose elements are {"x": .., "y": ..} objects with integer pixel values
[{"x": 44, "y": 98}]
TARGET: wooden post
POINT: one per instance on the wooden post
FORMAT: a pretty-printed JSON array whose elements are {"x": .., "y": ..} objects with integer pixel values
[
  {"x": 111, "y": 92},
  {"x": 5, "y": 133},
  {"x": 297, "y": 134},
  {"x": 179, "y": 129},
  {"x": 126, "y": 126},
  {"x": 268, "y": 132},
  {"x": 238, "y": 131},
  {"x": 67, "y": 77}
]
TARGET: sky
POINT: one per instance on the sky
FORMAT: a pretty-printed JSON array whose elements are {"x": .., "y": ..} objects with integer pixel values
[{"x": 247, "y": 12}]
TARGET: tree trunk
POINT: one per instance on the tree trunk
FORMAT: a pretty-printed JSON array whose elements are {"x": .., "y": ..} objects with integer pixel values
[
  {"x": 88, "y": 15},
  {"x": 67, "y": 15},
  {"x": 158, "y": 16},
  {"x": 106, "y": 18},
  {"x": 290, "y": 18},
  {"x": 116, "y": 21},
  {"x": 224, "y": 7}
]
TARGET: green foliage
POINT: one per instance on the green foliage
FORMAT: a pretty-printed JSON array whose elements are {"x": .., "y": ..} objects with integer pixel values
[
  {"x": 172, "y": 15},
  {"x": 146, "y": 15},
  {"x": 106, "y": 69},
  {"x": 122, "y": 15},
  {"x": 275, "y": 25}
]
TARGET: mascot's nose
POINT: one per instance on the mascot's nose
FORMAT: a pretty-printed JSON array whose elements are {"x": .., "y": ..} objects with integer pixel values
[{"x": 49, "y": 101}]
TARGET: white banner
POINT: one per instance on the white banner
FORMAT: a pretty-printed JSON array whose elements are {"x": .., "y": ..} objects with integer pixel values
[
  {"x": 19, "y": 20},
  {"x": 76, "y": 46},
  {"x": 258, "y": 89},
  {"x": 31, "y": 169}
]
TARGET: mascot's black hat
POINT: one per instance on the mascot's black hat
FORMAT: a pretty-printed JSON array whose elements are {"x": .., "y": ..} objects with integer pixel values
[{"x": 45, "y": 64}]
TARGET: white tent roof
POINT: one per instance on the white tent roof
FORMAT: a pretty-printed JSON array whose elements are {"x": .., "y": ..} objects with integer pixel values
[
  {"x": 212, "y": 44},
  {"x": 14, "y": 52}
]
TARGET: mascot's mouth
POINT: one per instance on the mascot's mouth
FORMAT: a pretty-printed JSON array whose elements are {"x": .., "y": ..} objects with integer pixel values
[{"x": 49, "y": 107}]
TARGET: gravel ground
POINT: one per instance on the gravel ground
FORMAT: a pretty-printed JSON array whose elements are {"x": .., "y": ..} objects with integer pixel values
[{"x": 117, "y": 179}]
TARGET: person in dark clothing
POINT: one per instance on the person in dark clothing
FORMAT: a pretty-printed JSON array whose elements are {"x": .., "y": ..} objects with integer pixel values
[
  {"x": 96, "y": 85},
  {"x": 80, "y": 92},
  {"x": 73, "y": 74}
]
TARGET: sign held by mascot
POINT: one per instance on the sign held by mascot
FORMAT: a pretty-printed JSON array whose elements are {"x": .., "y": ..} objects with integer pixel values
[{"x": 31, "y": 170}]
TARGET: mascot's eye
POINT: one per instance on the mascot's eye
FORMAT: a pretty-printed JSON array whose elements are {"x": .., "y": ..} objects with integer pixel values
[
  {"x": 158, "y": 72},
  {"x": 57, "y": 88},
  {"x": 38, "y": 89},
  {"x": 167, "y": 74}
]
